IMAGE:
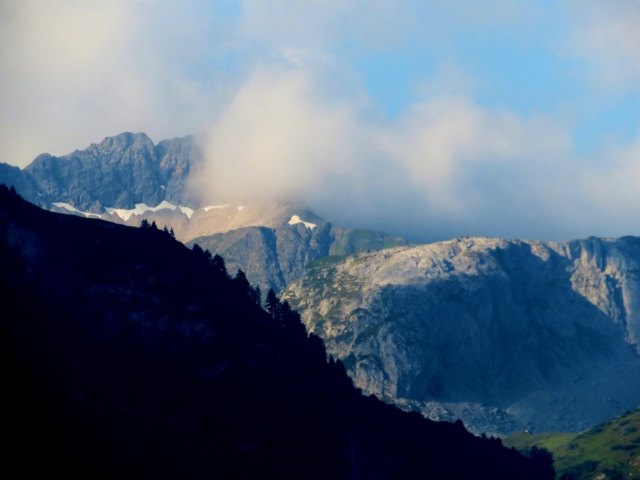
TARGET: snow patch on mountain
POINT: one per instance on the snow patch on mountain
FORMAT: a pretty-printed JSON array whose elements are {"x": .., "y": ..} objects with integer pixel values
[
  {"x": 189, "y": 222},
  {"x": 295, "y": 219},
  {"x": 216, "y": 207},
  {"x": 72, "y": 209},
  {"x": 186, "y": 210},
  {"x": 142, "y": 208}
]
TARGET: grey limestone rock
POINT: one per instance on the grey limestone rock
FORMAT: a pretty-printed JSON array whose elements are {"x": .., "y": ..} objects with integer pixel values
[
  {"x": 272, "y": 257},
  {"x": 504, "y": 334}
]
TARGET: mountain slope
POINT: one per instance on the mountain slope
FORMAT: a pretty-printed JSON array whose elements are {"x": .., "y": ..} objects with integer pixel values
[
  {"x": 507, "y": 335},
  {"x": 125, "y": 355},
  {"x": 608, "y": 451},
  {"x": 271, "y": 242},
  {"x": 127, "y": 179}
]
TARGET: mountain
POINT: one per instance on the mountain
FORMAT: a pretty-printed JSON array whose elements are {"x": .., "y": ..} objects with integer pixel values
[
  {"x": 507, "y": 335},
  {"x": 119, "y": 172},
  {"x": 126, "y": 355},
  {"x": 126, "y": 179},
  {"x": 608, "y": 451}
]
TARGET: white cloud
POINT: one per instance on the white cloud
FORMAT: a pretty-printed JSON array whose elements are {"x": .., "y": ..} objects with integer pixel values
[
  {"x": 290, "y": 118},
  {"x": 447, "y": 163},
  {"x": 451, "y": 148},
  {"x": 607, "y": 36},
  {"x": 76, "y": 71},
  {"x": 613, "y": 189},
  {"x": 278, "y": 138}
]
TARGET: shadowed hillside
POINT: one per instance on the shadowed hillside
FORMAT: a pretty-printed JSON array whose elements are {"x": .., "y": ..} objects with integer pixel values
[{"x": 126, "y": 355}]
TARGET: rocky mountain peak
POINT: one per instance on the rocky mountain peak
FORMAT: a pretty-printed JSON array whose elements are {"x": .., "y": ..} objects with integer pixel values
[
  {"x": 124, "y": 141},
  {"x": 119, "y": 172}
]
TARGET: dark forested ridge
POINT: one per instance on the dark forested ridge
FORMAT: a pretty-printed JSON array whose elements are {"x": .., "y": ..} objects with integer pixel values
[{"x": 126, "y": 355}]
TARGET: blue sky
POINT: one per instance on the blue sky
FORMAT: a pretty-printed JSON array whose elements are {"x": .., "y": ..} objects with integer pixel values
[{"x": 515, "y": 118}]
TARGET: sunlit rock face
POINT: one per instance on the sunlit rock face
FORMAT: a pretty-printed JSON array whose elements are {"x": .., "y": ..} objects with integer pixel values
[
  {"x": 504, "y": 334},
  {"x": 272, "y": 257}
]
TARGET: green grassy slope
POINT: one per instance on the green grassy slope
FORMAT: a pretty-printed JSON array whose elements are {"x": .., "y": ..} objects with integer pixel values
[{"x": 608, "y": 451}]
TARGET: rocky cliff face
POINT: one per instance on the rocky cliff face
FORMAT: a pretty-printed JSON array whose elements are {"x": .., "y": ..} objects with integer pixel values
[
  {"x": 118, "y": 172},
  {"x": 504, "y": 334}
]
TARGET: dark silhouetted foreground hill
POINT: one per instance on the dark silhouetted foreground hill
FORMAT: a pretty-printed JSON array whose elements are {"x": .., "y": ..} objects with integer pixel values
[{"x": 126, "y": 355}]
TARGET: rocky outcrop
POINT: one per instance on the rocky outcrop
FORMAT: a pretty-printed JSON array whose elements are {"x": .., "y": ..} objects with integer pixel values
[
  {"x": 18, "y": 179},
  {"x": 504, "y": 334},
  {"x": 272, "y": 257}
]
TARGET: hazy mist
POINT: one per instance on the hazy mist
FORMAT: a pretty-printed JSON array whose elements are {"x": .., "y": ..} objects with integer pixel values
[
  {"x": 445, "y": 167},
  {"x": 295, "y": 103}
]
